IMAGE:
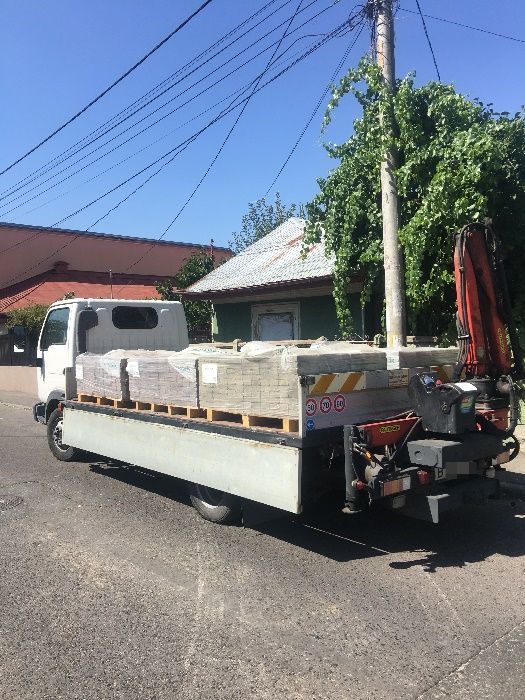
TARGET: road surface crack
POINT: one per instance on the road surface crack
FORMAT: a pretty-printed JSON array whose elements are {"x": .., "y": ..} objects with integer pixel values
[{"x": 464, "y": 665}]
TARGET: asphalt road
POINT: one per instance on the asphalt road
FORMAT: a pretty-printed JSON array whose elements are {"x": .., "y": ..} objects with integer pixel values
[{"x": 112, "y": 586}]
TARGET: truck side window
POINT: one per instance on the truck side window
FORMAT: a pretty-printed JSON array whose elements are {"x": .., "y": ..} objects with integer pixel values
[
  {"x": 134, "y": 317},
  {"x": 55, "y": 329}
]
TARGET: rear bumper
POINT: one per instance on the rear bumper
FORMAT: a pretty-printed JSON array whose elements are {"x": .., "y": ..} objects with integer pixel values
[
  {"x": 39, "y": 412},
  {"x": 449, "y": 496}
]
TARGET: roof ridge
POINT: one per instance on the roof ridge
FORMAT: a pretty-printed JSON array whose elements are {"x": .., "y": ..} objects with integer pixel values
[{"x": 111, "y": 236}]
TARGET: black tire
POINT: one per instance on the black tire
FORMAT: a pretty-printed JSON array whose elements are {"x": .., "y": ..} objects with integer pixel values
[
  {"x": 62, "y": 452},
  {"x": 216, "y": 506}
]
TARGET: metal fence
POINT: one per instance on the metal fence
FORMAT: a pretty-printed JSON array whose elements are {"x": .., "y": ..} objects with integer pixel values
[{"x": 11, "y": 355}]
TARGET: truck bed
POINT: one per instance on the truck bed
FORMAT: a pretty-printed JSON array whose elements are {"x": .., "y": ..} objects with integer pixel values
[{"x": 256, "y": 463}]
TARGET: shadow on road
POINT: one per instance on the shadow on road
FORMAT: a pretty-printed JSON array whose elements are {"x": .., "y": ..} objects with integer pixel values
[
  {"x": 154, "y": 482},
  {"x": 470, "y": 534}
]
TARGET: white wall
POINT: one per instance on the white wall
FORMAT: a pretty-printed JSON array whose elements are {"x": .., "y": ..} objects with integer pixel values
[{"x": 21, "y": 379}]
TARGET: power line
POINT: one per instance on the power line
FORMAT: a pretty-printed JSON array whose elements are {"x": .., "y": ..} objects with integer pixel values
[
  {"x": 84, "y": 143},
  {"x": 466, "y": 26},
  {"x": 192, "y": 62},
  {"x": 186, "y": 142},
  {"x": 110, "y": 87},
  {"x": 149, "y": 126},
  {"x": 316, "y": 109},
  {"x": 428, "y": 39},
  {"x": 308, "y": 52},
  {"x": 223, "y": 144},
  {"x": 208, "y": 109}
]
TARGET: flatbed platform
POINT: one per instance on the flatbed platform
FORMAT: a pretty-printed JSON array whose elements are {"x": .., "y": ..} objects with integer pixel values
[
  {"x": 258, "y": 433},
  {"x": 214, "y": 415}
]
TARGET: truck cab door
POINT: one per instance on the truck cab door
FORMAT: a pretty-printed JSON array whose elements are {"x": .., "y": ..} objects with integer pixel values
[{"x": 54, "y": 350}]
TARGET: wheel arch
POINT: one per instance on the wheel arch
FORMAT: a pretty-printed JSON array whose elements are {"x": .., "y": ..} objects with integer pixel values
[{"x": 54, "y": 398}]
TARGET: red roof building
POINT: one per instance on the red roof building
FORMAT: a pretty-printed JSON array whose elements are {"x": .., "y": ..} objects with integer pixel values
[{"x": 40, "y": 265}]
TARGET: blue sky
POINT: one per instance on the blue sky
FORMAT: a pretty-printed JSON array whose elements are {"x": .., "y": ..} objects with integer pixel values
[{"x": 58, "y": 54}]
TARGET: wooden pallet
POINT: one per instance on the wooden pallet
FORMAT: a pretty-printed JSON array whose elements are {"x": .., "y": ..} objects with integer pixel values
[
  {"x": 106, "y": 401},
  {"x": 213, "y": 415}
]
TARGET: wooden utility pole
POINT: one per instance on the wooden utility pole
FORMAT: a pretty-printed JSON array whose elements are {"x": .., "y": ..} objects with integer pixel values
[{"x": 393, "y": 259}]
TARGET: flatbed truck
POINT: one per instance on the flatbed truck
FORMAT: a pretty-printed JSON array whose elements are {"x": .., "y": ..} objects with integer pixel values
[{"x": 412, "y": 439}]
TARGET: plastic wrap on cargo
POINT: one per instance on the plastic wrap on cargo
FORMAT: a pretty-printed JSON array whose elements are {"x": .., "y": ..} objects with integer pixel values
[
  {"x": 420, "y": 357},
  {"x": 102, "y": 375},
  {"x": 249, "y": 385},
  {"x": 263, "y": 379},
  {"x": 163, "y": 377}
]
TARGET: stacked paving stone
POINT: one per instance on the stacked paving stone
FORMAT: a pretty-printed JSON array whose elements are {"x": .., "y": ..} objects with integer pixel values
[
  {"x": 265, "y": 381},
  {"x": 102, "y": 375},
  {"x": 421, "y": 357},
  {"x": 262, "y": 380},
  {"x": 163, "y": 377}
]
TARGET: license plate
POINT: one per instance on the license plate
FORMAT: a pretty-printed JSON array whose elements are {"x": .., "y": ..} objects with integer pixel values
[{"x": 395, "y": 486}]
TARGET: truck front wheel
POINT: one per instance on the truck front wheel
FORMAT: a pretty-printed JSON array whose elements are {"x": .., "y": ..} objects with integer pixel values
[
  {"x": 64, "y": 453},
  {"x": 217, "y": 506}
]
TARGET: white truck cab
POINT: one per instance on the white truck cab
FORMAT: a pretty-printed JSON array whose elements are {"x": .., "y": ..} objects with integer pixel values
[{"x": 74, "y": 326}]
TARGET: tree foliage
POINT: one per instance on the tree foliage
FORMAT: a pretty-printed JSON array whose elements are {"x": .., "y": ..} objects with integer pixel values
[
  {"x": 457, "y": 161},
  {"x": 260, "y": 219},
  {"x": 31, "y": 318},
  {"x": 198, "y": 313}
]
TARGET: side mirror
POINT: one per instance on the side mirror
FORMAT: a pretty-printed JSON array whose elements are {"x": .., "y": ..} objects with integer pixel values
[{"x": 39, "y": 362}]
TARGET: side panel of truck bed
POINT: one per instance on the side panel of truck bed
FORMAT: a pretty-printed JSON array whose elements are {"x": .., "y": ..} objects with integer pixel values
[{"x": 263, "y": 472}]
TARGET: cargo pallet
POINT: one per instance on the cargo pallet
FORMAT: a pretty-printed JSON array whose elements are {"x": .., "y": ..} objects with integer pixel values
[{"x": 213, "y": 415}]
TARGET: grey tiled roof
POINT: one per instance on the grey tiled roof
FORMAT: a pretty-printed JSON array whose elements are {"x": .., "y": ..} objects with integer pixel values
[{"x": 273, "y": 259}]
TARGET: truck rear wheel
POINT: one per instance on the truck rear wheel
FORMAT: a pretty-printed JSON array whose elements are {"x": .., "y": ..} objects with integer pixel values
[
  {"x": 214, "y": 505},
  {"x": 64, "y": 453}
]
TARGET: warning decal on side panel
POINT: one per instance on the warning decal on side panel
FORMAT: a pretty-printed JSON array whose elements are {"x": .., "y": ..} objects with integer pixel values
[
  {"x": 339, "y": 403},
  {"x": 325, "y": 404},
  {"x": 311, "y": 407}
]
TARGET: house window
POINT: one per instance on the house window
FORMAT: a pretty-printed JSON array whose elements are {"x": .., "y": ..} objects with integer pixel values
[
  {"x": 275, "y": 321},
  {"x": 134, "y": 317}
]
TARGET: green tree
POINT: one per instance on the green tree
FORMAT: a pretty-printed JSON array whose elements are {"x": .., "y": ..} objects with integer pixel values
[
  {"x": 31, "y": 318},
  {"x": 458, "y": 161},
  {"x": 260, "y": 219},
  {"x": 198, "y": 313}
]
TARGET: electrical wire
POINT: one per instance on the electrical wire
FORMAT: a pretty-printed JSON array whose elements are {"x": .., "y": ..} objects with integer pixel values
[
  {"x": 110, "y": 87},
  {"x": 311, "y": 50},
  {"x": 67, "y": 152},
  {"x": 230, "y": 108},
  {"x": 149, "y": 126},
  {"x": 184, "y": 144},
  {"x": 192, "y": 62},
  {"x": 466, "y": 26},
  {"x": 241, "y": 90},
  {"x": 428, "y": 40},
  {"x": 316, "y": 108},
  {"x": 223, "y": 144},
  {"x": 82, "y": 144}
]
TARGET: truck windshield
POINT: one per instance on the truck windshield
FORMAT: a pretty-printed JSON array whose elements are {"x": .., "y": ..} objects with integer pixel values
[{"x": 55, "y": 328}]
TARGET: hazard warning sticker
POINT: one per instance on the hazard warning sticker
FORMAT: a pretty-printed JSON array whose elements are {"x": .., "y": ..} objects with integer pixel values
[
  {"x": 311, "y": 407},
  {"x": 339, "y": 403},
  {"x": 325, "y": 404}
]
